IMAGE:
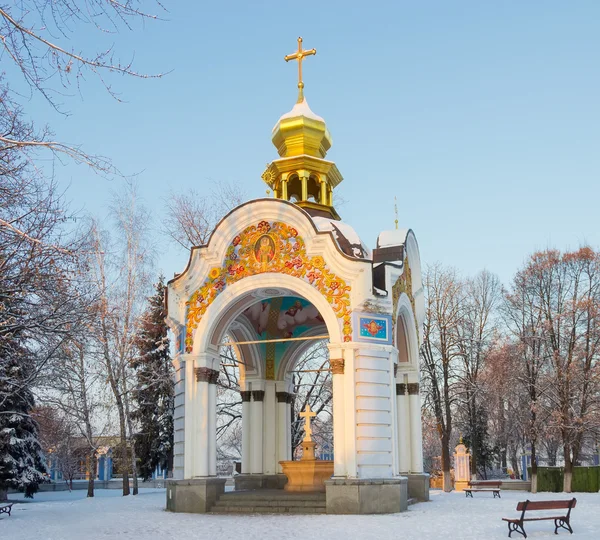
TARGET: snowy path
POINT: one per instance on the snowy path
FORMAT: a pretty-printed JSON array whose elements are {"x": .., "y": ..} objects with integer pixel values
[{"x": 70, "y": 516}]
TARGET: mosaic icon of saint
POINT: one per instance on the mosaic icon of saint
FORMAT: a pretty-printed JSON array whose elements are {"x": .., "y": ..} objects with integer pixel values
[{"x": 264, "y": 250}]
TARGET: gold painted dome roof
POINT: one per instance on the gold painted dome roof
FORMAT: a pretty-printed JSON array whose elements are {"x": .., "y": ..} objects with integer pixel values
[{"x": 301, "y": 132}]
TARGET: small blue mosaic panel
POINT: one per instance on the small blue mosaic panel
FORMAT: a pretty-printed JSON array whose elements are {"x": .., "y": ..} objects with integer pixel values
[{"x": 373, "y": 328}]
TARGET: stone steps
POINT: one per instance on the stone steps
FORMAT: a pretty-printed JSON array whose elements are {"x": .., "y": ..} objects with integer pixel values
[{"x": 270, "y": 502}]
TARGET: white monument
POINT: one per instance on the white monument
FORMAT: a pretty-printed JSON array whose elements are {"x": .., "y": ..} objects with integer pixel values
[{"x": 275, "y": 273}]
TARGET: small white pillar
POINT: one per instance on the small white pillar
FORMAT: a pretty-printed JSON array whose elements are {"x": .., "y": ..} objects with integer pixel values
[
  {"x": 337, "y": 375},
  {"x": 403, "y": 422},
  {"x": 246, "y": 431},
  {"x": 349, "y": 418},
  {"x": 190, "y": 408},
  {"x": 212, "y": 425},
  {"x": 270, "y": 464},
  {"x": 283, "y": 426},
  {"x": 416, "y": 435},
  {"x": 257, "y": 431},
  {"x": 204, "y": 423}
]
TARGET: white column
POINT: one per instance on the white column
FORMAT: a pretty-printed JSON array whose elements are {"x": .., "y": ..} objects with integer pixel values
[
  {"x": 204, "y": 422},
  {"x": 339, "y": 443},
  {"x": 403, "y": 422},
  {"x": 288, "y": 427},
  {"x": 416, "y": 436},
  {"x": 394, "y": 407},
  {"x": 246, "y": 431},
  {"x": 349, "y": 394},
  {"x": 257, "y": 430},
  {"x": 270, "y": 464},
  {"x": 200, "y": 430},
  {"x": 190, "y": 409},
  {"x": 283, "y": 422},
  {"x": 212, "y": 424}
]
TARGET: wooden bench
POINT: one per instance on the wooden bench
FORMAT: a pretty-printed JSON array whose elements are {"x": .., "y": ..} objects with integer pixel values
[
  {"x": 5, "y": 508},
  {"x": 516, "y": 524},
  {"x": 483, "y": 485}
]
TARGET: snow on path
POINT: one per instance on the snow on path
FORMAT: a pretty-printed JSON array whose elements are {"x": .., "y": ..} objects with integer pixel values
[{"x": 70, "y": 516}]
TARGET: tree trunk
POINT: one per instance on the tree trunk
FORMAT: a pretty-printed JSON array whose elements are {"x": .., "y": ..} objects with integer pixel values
[
  {"x": 446, "y": 465},
  {"x": 134, "y": 471},
  {"x": 568, "y": 472},
  {"x": 90, "y": 489},
  {"x": 514, "y": 463},
  {"x": 3, "y": 494},
  {"x": 533, "y": 469}
]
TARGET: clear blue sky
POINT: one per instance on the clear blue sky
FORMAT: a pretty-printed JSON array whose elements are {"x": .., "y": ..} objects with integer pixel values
[{"x": 483, "y": 118}]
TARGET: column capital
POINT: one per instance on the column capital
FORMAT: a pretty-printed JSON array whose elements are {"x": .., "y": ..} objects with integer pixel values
[
  {"x": 258, "y": 395},
  {"x": 337, "y": 366},
  {"x": 413, "y": 388},
  {"x": 205, "y": 374},
  {"x": 246, "y": 395},
  {"x": 284, "y": 397},
  {"x": 401, "y": 389}
]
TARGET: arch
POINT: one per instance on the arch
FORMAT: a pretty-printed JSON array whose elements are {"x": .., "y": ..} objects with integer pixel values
[
  {"x": 404, "y": 315},
  {"x": 251, "y": 361},
  {"x": 294, "y": 188},
  {"x": 313, "y": 189},
  {"x": 293, "y": 353},
  {"x": 212, "y": 320}
]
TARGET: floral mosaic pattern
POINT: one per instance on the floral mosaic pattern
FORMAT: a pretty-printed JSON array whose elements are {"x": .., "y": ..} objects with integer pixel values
[
  {"x": 403, "y": 285},
  {"x": 269, "y": 247}
]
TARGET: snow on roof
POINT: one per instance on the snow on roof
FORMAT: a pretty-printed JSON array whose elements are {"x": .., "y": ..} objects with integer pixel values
[
  {"x": 395, "y": 237},
  {"x": 350, "y": 243},
  {"x": 301, "y": 109}
]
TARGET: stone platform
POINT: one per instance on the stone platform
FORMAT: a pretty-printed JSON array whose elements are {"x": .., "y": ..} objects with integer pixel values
[
  {"x": 342, "y": 496},
  {"x": 270, "y": 501}
]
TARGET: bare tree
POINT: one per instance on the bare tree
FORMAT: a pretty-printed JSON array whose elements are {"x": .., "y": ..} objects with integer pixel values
[
  {"x": 441, "y": 354},
  {"x": 192, "y": 217},
  {"x": 34, "y": 34},
  {"x": 566, "y": 293},
  {"x": 121, "y": 273},
  {"x": 477, "y": 329}
]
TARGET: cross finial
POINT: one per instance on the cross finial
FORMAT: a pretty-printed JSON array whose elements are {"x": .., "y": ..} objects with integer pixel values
[
  {"x": 396, "y": 211},
  {"x": 307, "y": 415},
  {"x": 299, "y": 55}
]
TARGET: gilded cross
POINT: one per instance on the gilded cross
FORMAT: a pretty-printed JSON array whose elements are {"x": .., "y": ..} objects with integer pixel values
[
  {"x": 299, "y": 55},
  {"x": 307, "y": 415}
]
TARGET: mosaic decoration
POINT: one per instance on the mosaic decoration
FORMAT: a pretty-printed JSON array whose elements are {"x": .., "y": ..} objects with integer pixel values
[
  {"x": 269, "y": 247},
  {"x": 403, "y": 285},
  {"x": 374, "y": 328}
]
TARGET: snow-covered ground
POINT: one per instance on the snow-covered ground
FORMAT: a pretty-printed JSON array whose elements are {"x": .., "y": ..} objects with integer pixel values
[{"x": 70, "y": 516}]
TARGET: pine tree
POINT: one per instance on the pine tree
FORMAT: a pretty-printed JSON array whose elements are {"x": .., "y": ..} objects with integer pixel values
[
  {"x": 154, "y": 392},
  {"x": 22, "y": 464}
]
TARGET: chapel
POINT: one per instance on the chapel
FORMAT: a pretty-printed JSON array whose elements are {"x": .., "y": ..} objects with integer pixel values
[{"x": 276, "y": 274}]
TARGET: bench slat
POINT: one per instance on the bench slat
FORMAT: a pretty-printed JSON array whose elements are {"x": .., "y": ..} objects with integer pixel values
[{"x": 545, "y": 505}]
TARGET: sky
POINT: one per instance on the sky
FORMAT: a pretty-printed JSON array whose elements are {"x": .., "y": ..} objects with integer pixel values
[{"x": 482, "y": 118}]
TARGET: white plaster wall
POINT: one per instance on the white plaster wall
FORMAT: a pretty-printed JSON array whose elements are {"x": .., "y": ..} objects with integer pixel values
[
  {"x": 375, "y": 426},
  {"x": 178, "y": 419}
]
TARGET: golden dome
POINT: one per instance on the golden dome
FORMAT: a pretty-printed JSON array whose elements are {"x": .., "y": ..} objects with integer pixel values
[
  {"x": 301, "y": 131},
  {"x": 301, "y": 174}
]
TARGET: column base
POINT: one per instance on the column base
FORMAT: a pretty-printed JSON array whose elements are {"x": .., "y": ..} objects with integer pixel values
[
  {"x": 366, "y": 496},
  {"x": 244, "y": 482},
  {"x": 418, "y": 486},
  {"x": 195, "y": 496}
]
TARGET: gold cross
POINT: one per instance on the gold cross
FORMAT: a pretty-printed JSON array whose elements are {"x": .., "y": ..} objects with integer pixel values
[
  {"x": 307, "y": 415},
  {"x": 299, "y": 55}
]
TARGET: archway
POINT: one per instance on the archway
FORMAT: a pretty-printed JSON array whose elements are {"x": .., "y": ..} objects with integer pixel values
[{"x": 269, "y": 320}]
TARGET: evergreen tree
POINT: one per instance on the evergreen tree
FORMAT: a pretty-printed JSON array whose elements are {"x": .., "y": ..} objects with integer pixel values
[
  {"x": 22, "y": 464},
  {"x": 154, "y": 392}
]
